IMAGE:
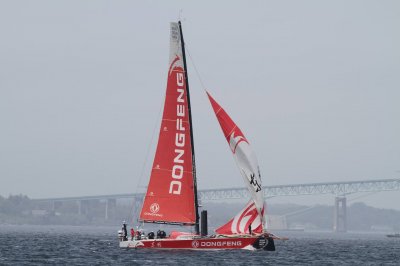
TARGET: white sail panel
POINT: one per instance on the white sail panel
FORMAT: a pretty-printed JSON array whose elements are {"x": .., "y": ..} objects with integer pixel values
[{"x": 244, "y": 156}]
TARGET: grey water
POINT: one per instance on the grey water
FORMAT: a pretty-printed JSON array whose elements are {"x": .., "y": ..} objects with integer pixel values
[{"x": 69, "y": 245}]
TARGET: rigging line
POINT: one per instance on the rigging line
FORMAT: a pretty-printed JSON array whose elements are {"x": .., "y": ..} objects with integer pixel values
[
  {"x": 145, "y": 162},
  {"x": 194, "y": 66},
  {"x": 311, "y": 207},
  {"x": 298, "y": 211}
]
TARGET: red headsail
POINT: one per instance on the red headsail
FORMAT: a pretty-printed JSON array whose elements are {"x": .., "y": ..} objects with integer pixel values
[{"x": 170, "y": 194}]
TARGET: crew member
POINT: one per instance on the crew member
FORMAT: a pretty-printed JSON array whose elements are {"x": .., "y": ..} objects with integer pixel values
[
  {"x": 132, "y": 234},
  {"x": 124, "y": 231}
]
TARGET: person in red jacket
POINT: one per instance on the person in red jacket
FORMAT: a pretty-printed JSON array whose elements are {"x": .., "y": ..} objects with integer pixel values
[{"x": 132, "y": 234}]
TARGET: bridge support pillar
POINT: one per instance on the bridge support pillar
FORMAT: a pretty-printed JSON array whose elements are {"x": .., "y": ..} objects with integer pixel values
[
  {"x": 340, "y": 215},
  {"x": 56, "y": 205},
  {"x": 82, "y": 207},
  {"x": 79, "y": 207},
  {"x": 110, "y": 208}
]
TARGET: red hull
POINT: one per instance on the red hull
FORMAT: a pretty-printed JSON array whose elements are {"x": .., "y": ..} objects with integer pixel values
[
  {"x": 194, "y": 244},
  {"x": 250, "y": 243}
]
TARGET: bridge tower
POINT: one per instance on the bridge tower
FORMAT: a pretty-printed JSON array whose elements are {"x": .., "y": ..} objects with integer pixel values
[
  {"x": 340, "y": 215},
  {"x": 111, "y": 205}
]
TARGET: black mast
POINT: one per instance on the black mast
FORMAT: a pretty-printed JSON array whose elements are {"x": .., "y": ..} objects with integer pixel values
[{"x": 196, "y": 203}]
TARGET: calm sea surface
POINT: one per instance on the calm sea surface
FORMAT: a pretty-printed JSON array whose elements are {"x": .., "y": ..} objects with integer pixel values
[{"x": 63, "y": 245}]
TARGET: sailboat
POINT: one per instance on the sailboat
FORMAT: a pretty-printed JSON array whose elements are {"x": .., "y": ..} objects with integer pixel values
[{"x": 171, "y": 196}]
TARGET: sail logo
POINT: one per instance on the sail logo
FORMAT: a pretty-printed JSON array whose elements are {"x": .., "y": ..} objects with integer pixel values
[
  {"x": 254, "y": 182},
  {"x": 234, "y": 141},
  {"x": 174, "y": 33},
  {"x": 175, "y": 185},
  {"x": 154, "y": 208},
  {"x": 195, "y": 244}
]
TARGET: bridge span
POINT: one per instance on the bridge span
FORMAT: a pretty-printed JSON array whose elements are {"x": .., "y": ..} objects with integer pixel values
[
  {"x": 338, "y": 189},
  {"x": 334, "y": 188}
]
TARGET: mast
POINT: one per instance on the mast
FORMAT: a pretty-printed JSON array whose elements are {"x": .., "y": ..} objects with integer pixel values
[{"x": 197, "y": 229}]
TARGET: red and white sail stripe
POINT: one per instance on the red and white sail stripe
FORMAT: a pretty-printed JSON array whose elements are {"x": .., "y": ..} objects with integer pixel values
[
  {"x": 240, "y": 224},
  {"x": 244, "y": 156}
]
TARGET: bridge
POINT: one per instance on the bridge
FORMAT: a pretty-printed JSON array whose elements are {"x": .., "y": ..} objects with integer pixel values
[
  {"x": 335, "y": 188},
  {"x": 338, "y": 189}
]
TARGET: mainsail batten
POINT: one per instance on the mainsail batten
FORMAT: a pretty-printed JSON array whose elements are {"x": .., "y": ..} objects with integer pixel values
[{"x": 170, "y": 194}]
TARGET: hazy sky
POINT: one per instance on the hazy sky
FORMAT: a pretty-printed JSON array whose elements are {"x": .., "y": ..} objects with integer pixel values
[{"x": 314, "y": 85}]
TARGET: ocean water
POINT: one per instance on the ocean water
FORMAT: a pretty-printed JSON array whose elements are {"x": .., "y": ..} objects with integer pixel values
[{"x": 68, "y": 245}]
